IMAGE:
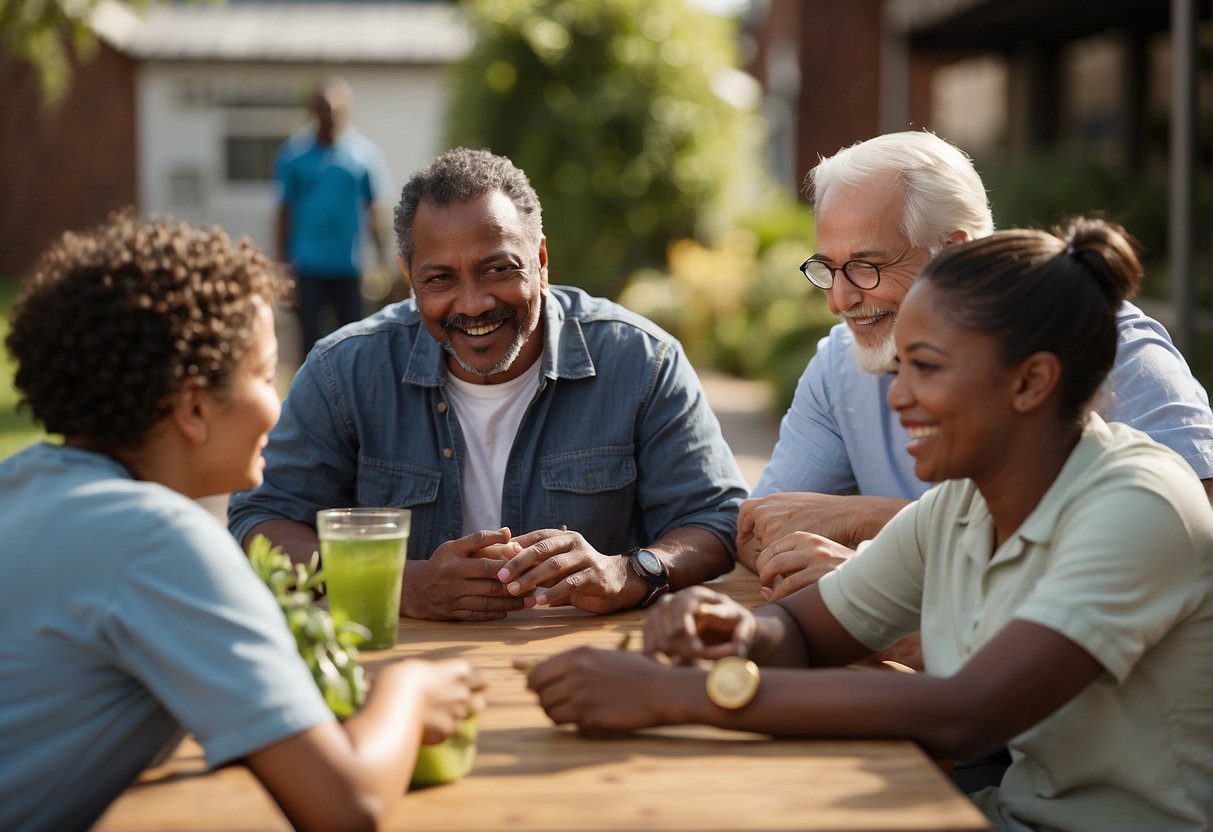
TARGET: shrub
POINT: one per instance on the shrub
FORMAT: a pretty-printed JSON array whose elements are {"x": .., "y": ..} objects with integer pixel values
[
  {"x": 741, "y": 306},
  {"x": 611, "y": 107}
]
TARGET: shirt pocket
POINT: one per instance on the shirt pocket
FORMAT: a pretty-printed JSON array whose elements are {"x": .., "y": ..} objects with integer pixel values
[
  {"x": 386, "y": 484},
  {"x": 592, "y": 491}
]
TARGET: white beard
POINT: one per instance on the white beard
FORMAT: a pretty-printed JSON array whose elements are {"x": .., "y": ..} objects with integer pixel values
[{"x": 878, "y": 360}]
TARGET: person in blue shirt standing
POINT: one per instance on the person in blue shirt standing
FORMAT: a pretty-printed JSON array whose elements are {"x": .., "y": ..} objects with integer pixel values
[{"x": 328, "y": 178}]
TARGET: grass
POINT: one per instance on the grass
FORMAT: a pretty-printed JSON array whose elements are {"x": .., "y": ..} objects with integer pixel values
[{"x": 16, "y": 429}]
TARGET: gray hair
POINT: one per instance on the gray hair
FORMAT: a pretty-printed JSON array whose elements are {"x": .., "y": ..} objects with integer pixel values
[
  {"x": 459, "y": 176},
  {"x": 944, "y": 194}
]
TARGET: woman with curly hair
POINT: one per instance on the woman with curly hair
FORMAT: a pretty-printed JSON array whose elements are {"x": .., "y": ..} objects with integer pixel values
[
  {"x": 1061, "y": 573},
  {"x": 130, "y": 614}
]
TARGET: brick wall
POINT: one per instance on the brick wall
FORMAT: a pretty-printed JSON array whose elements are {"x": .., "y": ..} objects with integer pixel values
[
  {"x": 68, "y": 166},
  {"x": 840, "y": 76}
]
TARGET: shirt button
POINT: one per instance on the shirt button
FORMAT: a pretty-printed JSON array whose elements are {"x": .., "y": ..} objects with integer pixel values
[
  {"x": 442, "y": 407},
  {"x": 591, "y": 479},
  {"x": 448, "y": 453}
]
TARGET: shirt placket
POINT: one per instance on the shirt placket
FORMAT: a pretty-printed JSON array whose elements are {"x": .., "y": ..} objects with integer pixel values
[{"x": 452, "y": 454}]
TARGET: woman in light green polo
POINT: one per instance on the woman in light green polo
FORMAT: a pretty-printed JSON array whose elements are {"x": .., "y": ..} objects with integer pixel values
[{"x": 1061, "y": 574}]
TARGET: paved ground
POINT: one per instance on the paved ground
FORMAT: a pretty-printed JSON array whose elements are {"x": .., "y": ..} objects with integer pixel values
[
  {"x": 742, "y": 406},
  {"x": 739, "y": 404}
]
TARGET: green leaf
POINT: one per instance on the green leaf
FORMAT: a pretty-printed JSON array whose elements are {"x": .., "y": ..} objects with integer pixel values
[{"x": 328, "y": 647}]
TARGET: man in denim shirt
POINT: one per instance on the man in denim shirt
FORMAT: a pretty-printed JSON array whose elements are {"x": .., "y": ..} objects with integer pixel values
[{"x": 490, "y": 404}]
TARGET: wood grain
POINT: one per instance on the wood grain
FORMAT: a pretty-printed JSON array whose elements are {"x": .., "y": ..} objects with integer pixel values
[{"x": 531, "y": 775}]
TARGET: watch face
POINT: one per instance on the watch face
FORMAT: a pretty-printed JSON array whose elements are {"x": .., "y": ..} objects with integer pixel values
[
  {"x": 649, "y": 562},
  {"x": 732, "y": 682}
]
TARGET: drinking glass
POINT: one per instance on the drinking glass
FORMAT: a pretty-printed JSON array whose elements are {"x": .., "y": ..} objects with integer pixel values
[{"x": 362, "y": 552}]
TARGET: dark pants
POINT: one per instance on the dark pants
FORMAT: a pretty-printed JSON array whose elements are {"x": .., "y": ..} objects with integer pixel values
[
  {"x": 975, "y": 775},
  {"x": 315, "y": 295}
]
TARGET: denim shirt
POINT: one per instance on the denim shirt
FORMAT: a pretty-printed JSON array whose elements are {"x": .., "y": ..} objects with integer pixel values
[{"x": 618, "y": 444}]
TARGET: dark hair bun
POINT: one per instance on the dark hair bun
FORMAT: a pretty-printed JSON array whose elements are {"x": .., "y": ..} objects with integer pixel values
[
  {"x": 1036, "y": 291},
  {"x": 1109, "y": 254}
]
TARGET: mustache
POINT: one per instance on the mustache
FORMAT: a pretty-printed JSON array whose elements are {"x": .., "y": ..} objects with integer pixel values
[
  {"x": 464, "y": 322},
  {"x": 865, "y": 312}
]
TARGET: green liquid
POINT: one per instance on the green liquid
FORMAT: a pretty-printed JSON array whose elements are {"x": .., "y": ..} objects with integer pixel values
[{"x": 362, "y": 579}]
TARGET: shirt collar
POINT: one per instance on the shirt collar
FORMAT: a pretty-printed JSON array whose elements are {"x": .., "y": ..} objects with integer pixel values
[
  {"x": 565, "y": 353},
  {"x": 1040, "y": 525}
]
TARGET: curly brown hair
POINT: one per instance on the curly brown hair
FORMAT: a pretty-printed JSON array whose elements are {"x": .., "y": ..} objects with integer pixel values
[{"x": 111, "y": 321}]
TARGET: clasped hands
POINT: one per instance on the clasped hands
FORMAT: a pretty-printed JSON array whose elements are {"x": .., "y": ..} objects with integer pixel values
[
  {"x": 486, "y": 575},
  {"x": 792, "y": 539}
]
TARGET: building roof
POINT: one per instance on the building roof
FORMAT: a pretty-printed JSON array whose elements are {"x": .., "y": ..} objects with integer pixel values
[{"x": 286, "y": 32}]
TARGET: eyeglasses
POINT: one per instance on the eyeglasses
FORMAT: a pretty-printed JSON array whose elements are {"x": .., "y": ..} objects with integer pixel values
[{"x": 861, "y": 273}]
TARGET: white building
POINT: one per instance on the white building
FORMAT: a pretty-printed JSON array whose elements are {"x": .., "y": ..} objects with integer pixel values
[{"x": 219, "y": 86}]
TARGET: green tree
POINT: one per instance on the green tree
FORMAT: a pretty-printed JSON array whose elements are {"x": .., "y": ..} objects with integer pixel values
[
  {"x": 611, "y": 107},
  {"x": 47, "y": 33}
]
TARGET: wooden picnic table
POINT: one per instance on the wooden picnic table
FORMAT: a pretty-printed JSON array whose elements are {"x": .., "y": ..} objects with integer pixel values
[{"x": 532, "y": 775}]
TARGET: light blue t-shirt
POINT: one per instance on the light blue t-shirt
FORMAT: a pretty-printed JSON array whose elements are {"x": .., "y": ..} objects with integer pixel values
[
  {"x": 327, "y": 190},
  {"x": 129, "y": 614},
  {"x": 840, "y": 436}
]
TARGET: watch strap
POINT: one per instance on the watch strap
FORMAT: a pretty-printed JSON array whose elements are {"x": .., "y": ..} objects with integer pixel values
[{"x": 657, "y": 585}]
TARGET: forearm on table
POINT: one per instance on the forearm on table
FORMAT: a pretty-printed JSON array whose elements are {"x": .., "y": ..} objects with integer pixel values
[
  {"x": 298, "y": 540},
  {"x": 1018, "y": 678},
  {"x": 830, "y": 703},
  {"x": 348, "y": 776},
  {"x": 778, "y": 641},
  {"x": 692, "y": 555},
  {"x": 386, "y": 732}
]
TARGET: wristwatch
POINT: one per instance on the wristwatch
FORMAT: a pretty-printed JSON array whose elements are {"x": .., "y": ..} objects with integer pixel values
[
  {"x": 732, "y": 682},
  {"x": 649, "y": 567}
]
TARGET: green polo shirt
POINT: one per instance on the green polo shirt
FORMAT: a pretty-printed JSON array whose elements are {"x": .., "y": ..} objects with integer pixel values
[{"x": 1118, "y": 558}]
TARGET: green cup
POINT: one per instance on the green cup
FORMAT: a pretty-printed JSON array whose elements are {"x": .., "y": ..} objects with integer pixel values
[
  {"x": 362, "y": 552},
  {"x": 450, "y": 759}
]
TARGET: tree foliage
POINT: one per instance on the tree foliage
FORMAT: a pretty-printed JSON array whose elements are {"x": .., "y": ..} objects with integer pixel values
[
  {"x": 611, "y": 107},
  {"x": 46, "y": 34}
]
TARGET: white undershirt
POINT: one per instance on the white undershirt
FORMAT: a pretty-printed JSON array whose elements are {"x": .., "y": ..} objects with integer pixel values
[{"x": 489, "y": 415}]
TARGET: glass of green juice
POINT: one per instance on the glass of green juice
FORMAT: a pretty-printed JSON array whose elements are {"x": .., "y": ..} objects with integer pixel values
[{"x": 362, "y": 553}]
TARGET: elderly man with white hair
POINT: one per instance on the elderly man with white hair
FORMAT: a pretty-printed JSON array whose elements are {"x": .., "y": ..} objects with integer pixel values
[{"x": 840, "y": 469}]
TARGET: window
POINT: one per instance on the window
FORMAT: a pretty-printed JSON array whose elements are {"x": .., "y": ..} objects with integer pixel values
[{"x": 250, "y": 158}]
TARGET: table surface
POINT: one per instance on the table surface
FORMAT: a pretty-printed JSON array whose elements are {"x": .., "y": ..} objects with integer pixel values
[{"x": 531, "y": 775}]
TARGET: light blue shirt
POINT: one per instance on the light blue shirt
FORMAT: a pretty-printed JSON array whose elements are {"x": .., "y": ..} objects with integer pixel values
[
  {"x": 129, "y": 614},
  {"x": 841, "y": 437},
  {"x": 618, "y": 442},
  {"x": 327, "y": 191}
]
